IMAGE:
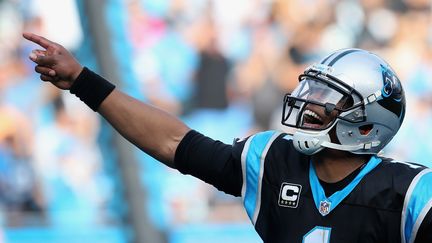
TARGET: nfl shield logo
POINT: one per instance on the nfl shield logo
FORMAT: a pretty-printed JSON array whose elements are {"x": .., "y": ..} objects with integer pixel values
[{"x": 324, "y": 208}]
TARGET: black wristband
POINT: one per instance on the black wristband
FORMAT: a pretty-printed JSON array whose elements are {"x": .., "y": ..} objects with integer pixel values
[{"x": 91, "y": 88}]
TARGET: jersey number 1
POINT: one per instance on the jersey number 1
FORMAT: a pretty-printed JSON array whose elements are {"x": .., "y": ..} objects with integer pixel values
[{"x": 318, "y": 234}]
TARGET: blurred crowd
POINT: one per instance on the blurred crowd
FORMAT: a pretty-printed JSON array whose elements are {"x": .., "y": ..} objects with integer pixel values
[
  {"x": 50, "y": 163},
  {"x": 222, "y": 66}
]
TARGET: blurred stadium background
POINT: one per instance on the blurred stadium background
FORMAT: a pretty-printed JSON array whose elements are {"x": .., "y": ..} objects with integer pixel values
[{"x": 222, "y": 66}]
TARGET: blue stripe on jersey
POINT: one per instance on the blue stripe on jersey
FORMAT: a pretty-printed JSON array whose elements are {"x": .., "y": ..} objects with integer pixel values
[
  {"x": 337, "y": 197},
  {"x": 418, "y": 203},
  {"x": 253, "y": 164}
]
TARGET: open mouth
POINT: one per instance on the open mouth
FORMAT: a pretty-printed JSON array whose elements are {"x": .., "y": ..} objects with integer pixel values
[{"x": 312, "y": 120}]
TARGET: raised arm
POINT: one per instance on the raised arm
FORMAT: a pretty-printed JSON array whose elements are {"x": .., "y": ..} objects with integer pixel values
[
  {"x": 149, "y": 128},
  {"x": 152, "y": 130}
]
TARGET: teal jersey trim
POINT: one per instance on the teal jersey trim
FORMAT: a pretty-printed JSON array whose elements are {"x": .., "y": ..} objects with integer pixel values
[
  {"x": 418, "y": 202},
  {"x": 326, "y": 204},
  {"x": 253, "y": 157}
]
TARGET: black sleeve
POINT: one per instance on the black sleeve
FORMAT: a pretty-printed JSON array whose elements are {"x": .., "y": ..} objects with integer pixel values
[
  {"x": 91, "y": 88},
  {"x": 211, "y": 161},
  {"x": 424, "y": 234}
]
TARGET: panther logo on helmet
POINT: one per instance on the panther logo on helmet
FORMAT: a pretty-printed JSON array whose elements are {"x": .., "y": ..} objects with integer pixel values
[
  {"x": 392, "y": 87},
  {"x": 392, "y": 92}
]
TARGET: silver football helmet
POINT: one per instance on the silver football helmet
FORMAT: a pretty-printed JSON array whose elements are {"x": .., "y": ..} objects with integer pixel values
[{"x": 352, "y": 101}]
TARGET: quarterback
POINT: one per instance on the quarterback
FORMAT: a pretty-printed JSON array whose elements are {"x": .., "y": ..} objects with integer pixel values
[{"x": 321, "y": 180}]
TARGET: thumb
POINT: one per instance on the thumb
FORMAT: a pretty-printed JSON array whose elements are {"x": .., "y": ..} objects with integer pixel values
[{"x": 41, "y": 59}]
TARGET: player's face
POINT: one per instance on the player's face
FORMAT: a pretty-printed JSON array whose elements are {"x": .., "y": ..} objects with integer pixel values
[
  {"x": 318, "y": 117},
  {"x": 314, "y": 104},
  {"x": 315, "y": 117}
]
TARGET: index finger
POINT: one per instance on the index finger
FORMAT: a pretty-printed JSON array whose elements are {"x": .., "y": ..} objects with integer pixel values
[{"x": 45, "y": 43}]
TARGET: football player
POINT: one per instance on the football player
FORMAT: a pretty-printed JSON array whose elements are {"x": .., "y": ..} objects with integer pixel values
[{"x": 322, "y": 180}]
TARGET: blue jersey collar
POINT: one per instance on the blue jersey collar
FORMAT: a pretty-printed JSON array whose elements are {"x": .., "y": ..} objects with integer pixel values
[{"x": 326, "y": 204}]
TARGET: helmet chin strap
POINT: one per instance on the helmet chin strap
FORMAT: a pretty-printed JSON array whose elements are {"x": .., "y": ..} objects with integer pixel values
[
  {"x": 311, "y": 142},
  {"x": 350, "y": 148}
]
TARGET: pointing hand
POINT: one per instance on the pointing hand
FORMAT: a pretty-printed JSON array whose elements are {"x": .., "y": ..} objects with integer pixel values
[{"x": 55, "y": 64}]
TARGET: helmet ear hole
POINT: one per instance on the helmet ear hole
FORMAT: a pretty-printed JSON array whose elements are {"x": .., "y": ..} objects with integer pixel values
[{"x": 365, "y": 129}]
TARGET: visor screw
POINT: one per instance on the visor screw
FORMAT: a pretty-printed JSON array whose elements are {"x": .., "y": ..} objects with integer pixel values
[{"x": 350, "y": 133}]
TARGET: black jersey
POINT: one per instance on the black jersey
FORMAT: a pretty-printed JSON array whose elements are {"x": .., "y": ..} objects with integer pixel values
[{"x": 387, "y": 201}]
